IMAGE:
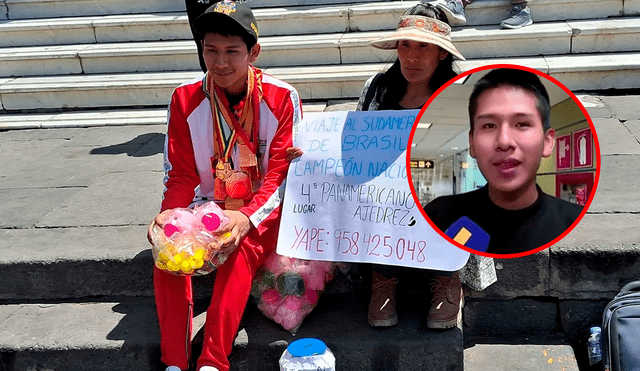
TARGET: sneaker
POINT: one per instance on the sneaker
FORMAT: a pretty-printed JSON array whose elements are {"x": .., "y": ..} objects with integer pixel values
[
  {"x": 173, "y": 368},
  {"x": 207, "y": 368},
  {"x": 520, "y": 17},
  {"x": 454, "y": 11},
  {"x": 447, "y": 302},
  {"x": 382, "y": 307}
]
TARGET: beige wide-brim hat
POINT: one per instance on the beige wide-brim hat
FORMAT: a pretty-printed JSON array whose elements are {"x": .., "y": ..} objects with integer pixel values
[{"x": 421, "y": 29}]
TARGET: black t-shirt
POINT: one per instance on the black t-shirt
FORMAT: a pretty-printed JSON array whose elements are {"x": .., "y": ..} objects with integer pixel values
[{"x": 510, "y": 231}]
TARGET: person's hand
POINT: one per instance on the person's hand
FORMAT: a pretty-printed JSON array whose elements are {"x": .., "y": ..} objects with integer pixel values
[
  {"x": 160, "y": 221},
  {"x": 238, "y": 227},
  {"x": 293, "y": 153}
]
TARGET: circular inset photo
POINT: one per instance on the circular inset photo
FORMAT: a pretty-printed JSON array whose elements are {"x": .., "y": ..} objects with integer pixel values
[{"x": 504, "y": 161}]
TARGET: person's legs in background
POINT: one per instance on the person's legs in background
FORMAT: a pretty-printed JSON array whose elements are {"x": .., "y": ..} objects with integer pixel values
[
  {"x": 454, "y": 10},
  {"x": 520, "y": 15}
]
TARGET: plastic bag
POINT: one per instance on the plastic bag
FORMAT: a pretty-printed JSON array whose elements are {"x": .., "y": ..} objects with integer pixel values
[
  {"x": 287, "y": 289},
  {"x": 189, "y": 244}
]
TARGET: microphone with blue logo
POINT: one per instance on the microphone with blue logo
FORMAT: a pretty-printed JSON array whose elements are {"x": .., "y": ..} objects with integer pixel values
[{"x": 467, "y": 233}]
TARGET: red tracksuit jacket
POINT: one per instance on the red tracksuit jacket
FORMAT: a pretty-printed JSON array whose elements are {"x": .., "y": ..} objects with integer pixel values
[{"x": 189, "y": 147}]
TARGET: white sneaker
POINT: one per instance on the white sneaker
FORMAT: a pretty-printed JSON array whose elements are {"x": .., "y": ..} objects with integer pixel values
[
  {"x": 208, "y": 368},
  {"x": 173, "y": 368}
]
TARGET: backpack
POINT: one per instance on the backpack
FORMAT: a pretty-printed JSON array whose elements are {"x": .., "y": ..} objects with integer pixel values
[{"x": 621, "y": 330}]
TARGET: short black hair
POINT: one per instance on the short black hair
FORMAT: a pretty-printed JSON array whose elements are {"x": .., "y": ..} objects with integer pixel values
[
  {"x": 525, "y": 80},
  {"x": 229, "y": 27}
]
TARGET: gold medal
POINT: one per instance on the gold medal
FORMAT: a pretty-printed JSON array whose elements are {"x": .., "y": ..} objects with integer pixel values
[
  {"x": 235, "y": 186},
  {"x": 223, "y": 170},
  {"x": 247, "y": 158}
]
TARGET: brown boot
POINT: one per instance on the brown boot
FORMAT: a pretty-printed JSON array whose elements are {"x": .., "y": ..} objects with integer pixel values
[
  {"x": 447, "y": 302},
  {"x": 382, "y": 307}
]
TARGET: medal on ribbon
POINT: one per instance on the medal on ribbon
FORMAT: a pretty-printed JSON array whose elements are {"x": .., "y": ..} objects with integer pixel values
[{"x": 235, "y": 186}]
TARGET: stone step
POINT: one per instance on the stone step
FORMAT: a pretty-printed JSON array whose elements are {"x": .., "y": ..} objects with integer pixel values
[
  {"x": 84, "y": 119},
  {"x": 65, "y": 258},
  {"x": 558, "y": 38},
  {"x": 153, "y": 26},
  {"x": 124, "y": 336},
  {"x": 25, "y": 9},
  {"x": 486, "y": 12},
  {"x": 175, "y": 26},
  {"x": 158, "y": 56},
  {"x": 63, "y": 271},
  {"x": 114, "y": 117},
  {"x": 520, "y": 357},
  {"x": 74, "y": 268},
  {"x": 577, "y": 72},
  {"x": 144, "y": 89}
]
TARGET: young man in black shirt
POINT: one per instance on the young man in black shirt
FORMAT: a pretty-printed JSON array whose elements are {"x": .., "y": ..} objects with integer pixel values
[{"x": 510, "y": 134}]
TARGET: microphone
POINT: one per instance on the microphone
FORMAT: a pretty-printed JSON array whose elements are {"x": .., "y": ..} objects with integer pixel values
[{"x": 467, "y": 233}]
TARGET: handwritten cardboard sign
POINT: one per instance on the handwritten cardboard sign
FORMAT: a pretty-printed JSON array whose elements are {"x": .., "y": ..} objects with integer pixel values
[{"x": 348, "y": 197}]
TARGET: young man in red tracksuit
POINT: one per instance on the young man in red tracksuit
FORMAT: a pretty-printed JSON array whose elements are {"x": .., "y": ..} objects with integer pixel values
[{"x": 227, "y": 141}]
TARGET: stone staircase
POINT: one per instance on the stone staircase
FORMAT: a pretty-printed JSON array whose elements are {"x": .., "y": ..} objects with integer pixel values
[
  {"x": 114, "y": 55},
  {"x": 77, "y": 293}
]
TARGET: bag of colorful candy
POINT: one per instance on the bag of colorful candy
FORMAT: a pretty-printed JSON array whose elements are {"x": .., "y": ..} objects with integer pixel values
[
  {"x": 287, "y": 289},
  {"x": 188, "y": 242}
]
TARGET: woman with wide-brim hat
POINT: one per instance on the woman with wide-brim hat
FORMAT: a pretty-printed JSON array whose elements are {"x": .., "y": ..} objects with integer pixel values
[{"x": 424, "y": 63}]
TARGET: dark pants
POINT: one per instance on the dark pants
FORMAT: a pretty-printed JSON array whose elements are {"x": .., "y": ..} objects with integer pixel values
[
  {"x": 389, "y": 271},
  {"x": 194, "y": 9}
]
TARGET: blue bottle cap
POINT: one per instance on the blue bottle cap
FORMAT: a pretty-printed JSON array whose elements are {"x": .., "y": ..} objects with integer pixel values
[
  {"x": 595, "y": 329},
  {"x": 306, "y": 347}
]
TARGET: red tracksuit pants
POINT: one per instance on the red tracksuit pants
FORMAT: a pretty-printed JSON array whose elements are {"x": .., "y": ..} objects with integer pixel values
[{"x": 231, "y": 289}]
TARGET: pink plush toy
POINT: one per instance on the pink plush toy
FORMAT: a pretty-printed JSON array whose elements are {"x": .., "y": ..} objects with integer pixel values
[
  {"x": 287, "y": 289},
  {"x": 188, "y": 242},
  {"x": 209, "y": 216},
  {"x": 180, "y": 221}
]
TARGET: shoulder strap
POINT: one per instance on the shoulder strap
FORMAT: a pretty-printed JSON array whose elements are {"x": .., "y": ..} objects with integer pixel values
[
  {"x": 630, "y": 287},
  {"x": 371, "y": 92}
]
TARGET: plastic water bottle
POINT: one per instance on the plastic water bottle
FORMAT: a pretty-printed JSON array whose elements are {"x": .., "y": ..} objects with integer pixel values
[
  {"x": 594, "y": 346},
  {"x": 307, "y": 355}
]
